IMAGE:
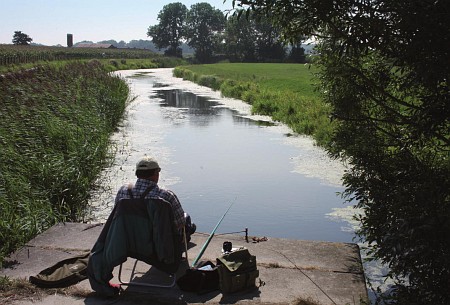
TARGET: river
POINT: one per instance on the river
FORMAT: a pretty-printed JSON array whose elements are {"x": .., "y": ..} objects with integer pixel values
[{"x": 213, "y": 153}]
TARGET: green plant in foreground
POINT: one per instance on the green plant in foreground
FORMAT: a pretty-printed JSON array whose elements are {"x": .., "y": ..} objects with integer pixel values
[{"x": 54, "y": 137}]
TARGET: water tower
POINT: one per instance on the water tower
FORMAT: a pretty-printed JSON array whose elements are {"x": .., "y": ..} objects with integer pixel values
[{"x": 69, "y": 40}]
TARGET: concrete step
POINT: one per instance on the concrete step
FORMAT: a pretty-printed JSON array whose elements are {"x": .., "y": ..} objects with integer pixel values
[{"x": 290, "y": 270}]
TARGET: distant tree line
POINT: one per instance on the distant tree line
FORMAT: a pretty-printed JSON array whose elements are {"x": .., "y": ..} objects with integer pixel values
[
  {"x": 132, "y": 44},
  {"x": 213, "y": 35}
]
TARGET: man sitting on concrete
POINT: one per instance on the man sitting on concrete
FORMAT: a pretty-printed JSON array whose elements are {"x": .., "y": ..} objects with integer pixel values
[
  {"x": 146, "y": 223},
  {"x": 147, "y": 173}
]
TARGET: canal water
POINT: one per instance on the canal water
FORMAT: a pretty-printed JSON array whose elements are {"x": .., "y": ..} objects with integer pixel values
[{"x": 214, "y": 153}]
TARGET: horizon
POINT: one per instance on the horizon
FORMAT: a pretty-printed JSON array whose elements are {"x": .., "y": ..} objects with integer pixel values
[{"x": 112, "y": 20}]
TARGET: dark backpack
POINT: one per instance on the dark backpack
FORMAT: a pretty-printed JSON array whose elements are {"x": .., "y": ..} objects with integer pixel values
[
  {"x": 237, "y": 271},
  {"x": 65, "y": 273},
  {"x": 200, "y": 281}
]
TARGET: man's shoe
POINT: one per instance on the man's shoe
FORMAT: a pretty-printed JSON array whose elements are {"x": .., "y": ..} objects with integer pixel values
[{"x": 116, "y": 288}]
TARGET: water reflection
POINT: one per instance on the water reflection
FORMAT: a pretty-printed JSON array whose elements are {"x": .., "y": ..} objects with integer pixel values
[
  {"x": 220, "y": 155},
  {"x": 196, "y": 105}
]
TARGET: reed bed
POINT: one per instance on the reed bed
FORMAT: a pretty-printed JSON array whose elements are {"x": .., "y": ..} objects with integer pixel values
[{"x": 54, "y": 139}]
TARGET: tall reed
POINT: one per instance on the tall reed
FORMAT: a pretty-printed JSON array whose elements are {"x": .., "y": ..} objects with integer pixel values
[{"x": 54, "y": 137}]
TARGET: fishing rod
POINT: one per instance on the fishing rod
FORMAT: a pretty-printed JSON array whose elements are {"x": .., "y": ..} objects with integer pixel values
[{"x": 202, "y": 250}]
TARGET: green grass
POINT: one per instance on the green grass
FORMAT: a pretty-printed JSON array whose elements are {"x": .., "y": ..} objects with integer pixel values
[
  {"x": 286, "y": 92},
  {"x": 293, "y": 77}
]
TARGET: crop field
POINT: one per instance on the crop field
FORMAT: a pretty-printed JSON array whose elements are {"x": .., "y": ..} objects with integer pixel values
[{"x": 17, "y": 54}]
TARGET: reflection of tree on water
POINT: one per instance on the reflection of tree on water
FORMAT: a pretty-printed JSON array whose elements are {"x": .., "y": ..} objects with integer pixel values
[
  {"x": 182, "y": 99},
  {"x": 201, "y": 106},
  {"x": 202, "y": 109},
  {"x": 246, "y": 121}
]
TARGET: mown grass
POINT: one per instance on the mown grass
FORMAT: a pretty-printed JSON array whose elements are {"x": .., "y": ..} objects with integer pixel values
[
  {"x": 293, "y": 77},
  {"x": 286, "y": 92},
  {"x": 21, "y": 290},
  {"x": 54, "y": 139}
]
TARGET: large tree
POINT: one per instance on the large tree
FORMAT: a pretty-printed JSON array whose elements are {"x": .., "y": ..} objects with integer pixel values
[
  {"x": 240, "y": 39},
  {"x": 170, "y": 30},
  {"x": 20, "y": 38},
  {"x": 253, "y": 39},
  {"x": 385, "y": 70},
  {"x": 205, "y": 30},
  {"x": 269, "y": 45}
]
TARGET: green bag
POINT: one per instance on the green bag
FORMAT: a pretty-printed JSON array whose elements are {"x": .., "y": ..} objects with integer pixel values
[
  {"x": 237, "y": 271},
  {"x": 65, "y": 273}
]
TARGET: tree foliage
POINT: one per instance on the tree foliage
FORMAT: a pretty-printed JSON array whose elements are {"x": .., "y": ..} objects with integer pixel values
[
  {"x": 269, "y": 45},
  {"x": 20, "y": 38},
  {"x": 170, "y": 30},
  {"x": 253, "y": 39},
  {"x": 212, "y": 35},
  {"x": 385, "y": 70},
  {"x": 205, "y": 26},
  {"x": 240, "y": 39}
]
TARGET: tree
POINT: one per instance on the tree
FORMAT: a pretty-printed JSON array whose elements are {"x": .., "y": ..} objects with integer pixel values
[
  {"x": 20, "y": 38},
  {"x": 141, "y": 44},
  {"x": 297, "y": 53},
  {"x": 205, "y": 25},
  {"x": 240, "y": 38},
  {"x": 253, "y": 39},
  {"x": 269, "y": 45},
  {"x": 385, "y": 71},
  {"x": 171, "y": 29}
]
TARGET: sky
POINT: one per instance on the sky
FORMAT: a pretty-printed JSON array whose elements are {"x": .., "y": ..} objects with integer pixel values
[{"x": 48, "y": 22}]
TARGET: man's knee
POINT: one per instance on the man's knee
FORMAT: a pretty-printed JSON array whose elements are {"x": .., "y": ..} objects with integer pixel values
[{"x": 189, "y": 226}]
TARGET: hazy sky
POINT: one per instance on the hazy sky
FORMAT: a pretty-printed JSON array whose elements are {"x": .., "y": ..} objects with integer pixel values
[{"x": 49, "y": 21}]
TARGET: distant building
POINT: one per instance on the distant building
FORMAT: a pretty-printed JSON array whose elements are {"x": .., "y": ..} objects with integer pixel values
[
  {"x": 69, "y": 40},
  {"x": 95, "y": 45}
]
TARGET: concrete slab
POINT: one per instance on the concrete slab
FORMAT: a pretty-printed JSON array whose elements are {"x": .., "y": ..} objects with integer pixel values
[{"x": 291, "y": 270}]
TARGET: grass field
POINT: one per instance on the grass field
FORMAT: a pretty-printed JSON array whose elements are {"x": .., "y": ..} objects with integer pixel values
[
  {"x": 293, "y": 77},
  {"x": 286, "y": 92}
]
